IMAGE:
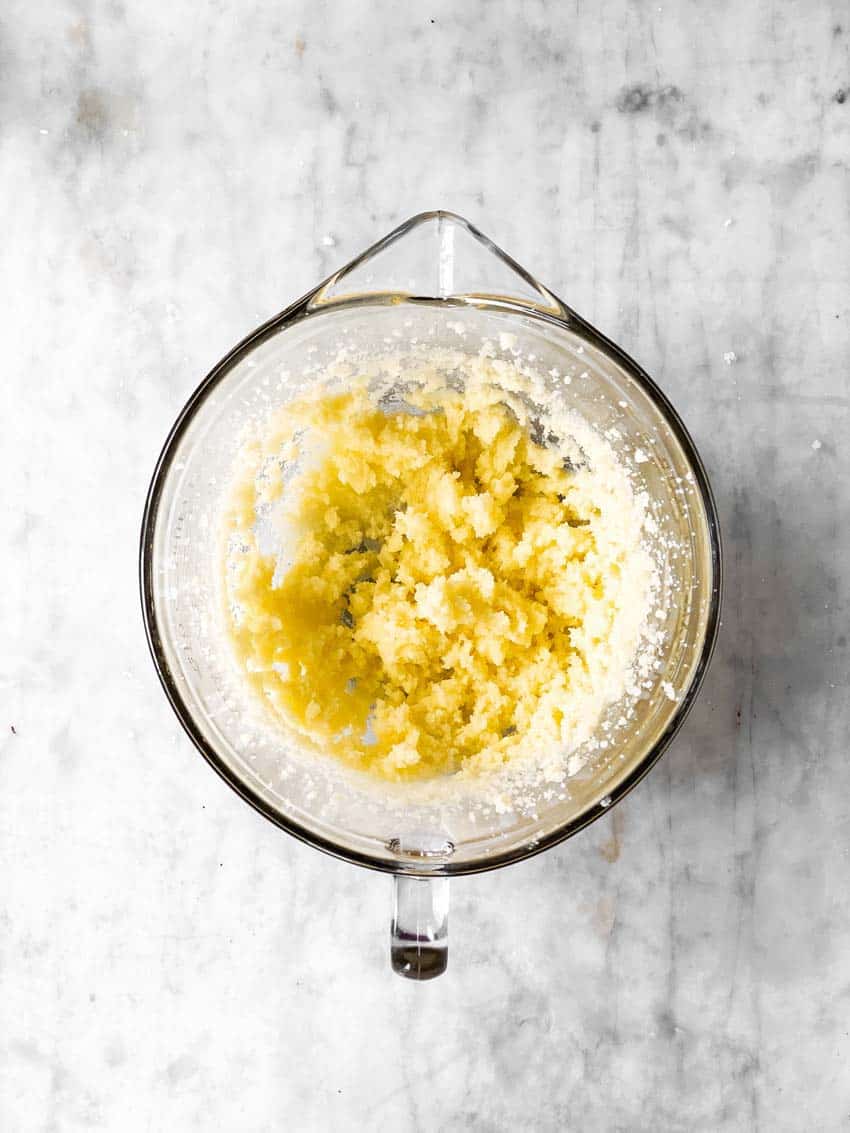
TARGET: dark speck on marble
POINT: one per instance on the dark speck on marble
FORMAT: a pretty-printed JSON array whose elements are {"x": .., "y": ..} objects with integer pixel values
[
  {"x": 329, "y": 103},
  {"x": 666, "y": 1024},
  {"x": 694, "y": 129},
  {"x": 639, "y": 97},
  {"x": 678, "y": 225},
  {"x": 633, "y": 100},
  {"x": 92, "y": 115},
  {"x": 181, "y": 1069},
  {"x": 840, "y": 96}
]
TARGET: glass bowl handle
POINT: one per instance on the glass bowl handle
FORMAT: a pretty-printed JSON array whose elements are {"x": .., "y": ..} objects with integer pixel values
[{"x": 419, "y": 944}]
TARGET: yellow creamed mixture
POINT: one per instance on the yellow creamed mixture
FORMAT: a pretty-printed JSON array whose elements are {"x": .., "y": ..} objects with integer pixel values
[{"x": 437, "y": 591}]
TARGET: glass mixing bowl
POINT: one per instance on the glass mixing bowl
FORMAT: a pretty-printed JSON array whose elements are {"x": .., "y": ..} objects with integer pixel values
[{"x": 437, "y": 281}]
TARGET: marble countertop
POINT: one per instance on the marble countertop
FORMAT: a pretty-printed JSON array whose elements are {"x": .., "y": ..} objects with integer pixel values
[{"x": 174, "y": 175}]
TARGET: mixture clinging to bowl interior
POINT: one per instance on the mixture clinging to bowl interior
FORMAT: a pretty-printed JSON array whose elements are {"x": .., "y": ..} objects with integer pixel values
[{"x": 436, "y": 580}]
